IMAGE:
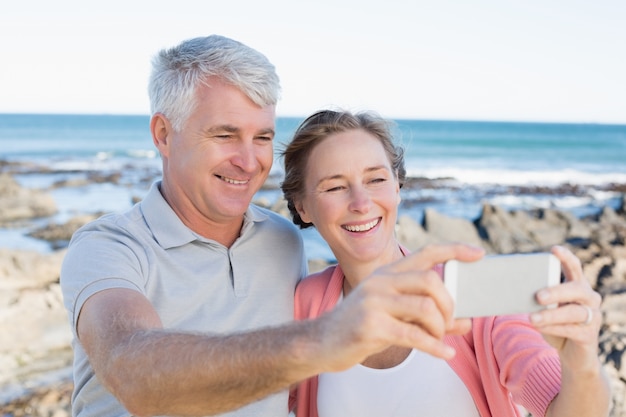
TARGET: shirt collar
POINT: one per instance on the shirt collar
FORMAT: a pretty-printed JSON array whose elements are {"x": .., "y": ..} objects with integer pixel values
[{"x": 167, "y": 228}]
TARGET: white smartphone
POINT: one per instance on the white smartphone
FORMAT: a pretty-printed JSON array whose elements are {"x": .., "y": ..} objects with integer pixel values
[{"x": 500, "y": 284}]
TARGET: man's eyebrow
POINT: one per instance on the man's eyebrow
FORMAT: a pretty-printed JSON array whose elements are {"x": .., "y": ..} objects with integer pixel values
[
  {"x": 267, "y": 131},
  {"x": 222, "y": 128},
  {"x": 235, "y": 129}
]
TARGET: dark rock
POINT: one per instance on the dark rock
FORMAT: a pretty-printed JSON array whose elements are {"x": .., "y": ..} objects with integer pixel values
[
  {"x": 411, "y": 234},
  {"x": 443, "y": 228},
  {"x": 60, "y": 234},
  {"x": 30, "y": 295},
  {"x": 505, "y": 231}
]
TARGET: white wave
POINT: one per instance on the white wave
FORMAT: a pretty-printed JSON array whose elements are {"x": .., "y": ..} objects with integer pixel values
[
  {"x": 604, "y": 195},
  {"x": 75, "y": 165},
  {"x": 561, "y": 202},
  {"x": 521, "y": 201},
  {"x": 103, "y": 156},
  {"x": 569, "y": 202},
  {"x": 143, "y": 153},
  {"x": 517, "y": 177}
]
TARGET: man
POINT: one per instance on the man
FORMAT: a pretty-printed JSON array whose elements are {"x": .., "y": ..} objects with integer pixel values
[
  {"x": 193, "y": 256},
  {"x": 184, "y": 304}
]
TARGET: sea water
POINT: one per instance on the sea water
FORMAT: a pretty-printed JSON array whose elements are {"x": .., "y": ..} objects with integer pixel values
[{"x": 473, "y": 163}]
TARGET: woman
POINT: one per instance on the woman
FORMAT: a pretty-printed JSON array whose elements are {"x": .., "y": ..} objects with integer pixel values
[{"x": 343, "y": 175}]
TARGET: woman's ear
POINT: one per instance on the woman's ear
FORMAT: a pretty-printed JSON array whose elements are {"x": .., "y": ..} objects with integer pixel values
[
  {"x": 398, "y": 186},
  {"x": 301, "y": 211},
  {"x": 398, "y": 192},
  {"x": 161, "y": 128}
]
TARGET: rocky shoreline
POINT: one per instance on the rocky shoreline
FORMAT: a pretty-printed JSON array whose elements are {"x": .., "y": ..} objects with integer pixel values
[{"x": 35, "y": 356}]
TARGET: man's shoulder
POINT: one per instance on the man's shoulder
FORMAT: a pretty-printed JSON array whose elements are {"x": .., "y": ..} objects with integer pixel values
[
  {"x": 114, "y": 223},
  {"x": 261, "y": 214}
]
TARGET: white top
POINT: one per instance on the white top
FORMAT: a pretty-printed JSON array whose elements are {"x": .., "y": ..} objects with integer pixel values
[{"x": 421, "y": 385}]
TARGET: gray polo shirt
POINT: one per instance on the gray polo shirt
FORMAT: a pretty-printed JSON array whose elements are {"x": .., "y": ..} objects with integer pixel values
[{"x": 195, "y": 284}]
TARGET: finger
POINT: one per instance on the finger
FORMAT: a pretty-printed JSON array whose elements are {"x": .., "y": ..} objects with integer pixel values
[
  {"x": 570, "y": 264},
  {"x": 373, "y": 328},
  {"x": 560, "y": 335},
  {"x": 417, "y": 298},
  {"x": 567, "y": 315},
  {"x": 578, "y": 292},
  {"x": 418, "y": 339},
  {"x": 428, "y": 292},
  {"x": 460, "y": 327},
  {"x": 432, "y": 255},
  {"x": 425, "y": 312},
  {"x": 581, "y": 334}
]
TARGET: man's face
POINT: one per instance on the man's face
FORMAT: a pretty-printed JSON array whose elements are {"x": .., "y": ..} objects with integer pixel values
[{"x": 220, "y": 159}]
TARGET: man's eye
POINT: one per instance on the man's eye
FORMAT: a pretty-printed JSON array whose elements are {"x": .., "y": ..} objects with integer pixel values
[{"x": 265, "y": 138}]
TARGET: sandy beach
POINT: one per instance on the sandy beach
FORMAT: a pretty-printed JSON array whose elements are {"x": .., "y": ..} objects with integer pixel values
[{"x": 35, "y": 355}]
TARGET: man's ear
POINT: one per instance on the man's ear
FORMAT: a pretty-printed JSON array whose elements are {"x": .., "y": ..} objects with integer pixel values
[{"x": 161, "y": 128}]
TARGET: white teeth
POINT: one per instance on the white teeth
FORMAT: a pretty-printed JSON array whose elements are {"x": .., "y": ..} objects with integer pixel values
[
  {"x": 363, "y": 227},
  {"x": 232, "y": 181}
]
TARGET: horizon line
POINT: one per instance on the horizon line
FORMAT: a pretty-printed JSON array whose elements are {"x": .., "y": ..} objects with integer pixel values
[{"x": 293, "y": 116}]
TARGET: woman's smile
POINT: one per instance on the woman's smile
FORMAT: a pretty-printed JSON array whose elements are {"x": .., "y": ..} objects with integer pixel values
[{"x": 364, "y": 227}]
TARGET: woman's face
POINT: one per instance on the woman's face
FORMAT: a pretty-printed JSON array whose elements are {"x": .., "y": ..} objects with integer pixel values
[{"x": 352, "y": 196}]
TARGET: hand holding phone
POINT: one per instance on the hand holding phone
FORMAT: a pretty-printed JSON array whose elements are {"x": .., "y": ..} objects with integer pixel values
[{"x": 500, "y": 284}]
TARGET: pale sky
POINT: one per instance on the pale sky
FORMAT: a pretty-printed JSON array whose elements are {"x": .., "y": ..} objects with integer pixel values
[{"x": 524, "y": 60}]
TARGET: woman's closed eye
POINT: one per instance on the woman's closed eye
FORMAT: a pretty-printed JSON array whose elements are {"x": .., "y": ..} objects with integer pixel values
[
  {"x": 334, "y": 188},
  {"x": 378, "y": 180}
]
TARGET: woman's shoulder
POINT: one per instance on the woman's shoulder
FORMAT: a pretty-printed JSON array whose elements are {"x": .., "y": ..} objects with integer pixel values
[
  {"x": 317, "y": 280},
  {"x": 318, "y": 292}
]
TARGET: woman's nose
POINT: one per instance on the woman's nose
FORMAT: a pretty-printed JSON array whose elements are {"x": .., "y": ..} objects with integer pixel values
[{"x": 360, "y": 200}]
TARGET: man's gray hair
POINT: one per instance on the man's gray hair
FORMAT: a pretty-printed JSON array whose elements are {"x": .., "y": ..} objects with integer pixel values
[{"x": 179, "y": 71}]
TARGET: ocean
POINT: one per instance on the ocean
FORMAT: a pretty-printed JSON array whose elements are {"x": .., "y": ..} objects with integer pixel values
[{"x": 460, "y": 165}]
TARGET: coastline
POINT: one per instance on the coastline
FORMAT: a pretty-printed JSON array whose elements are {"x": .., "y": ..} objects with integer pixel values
[{"x": 35, "y": 364}]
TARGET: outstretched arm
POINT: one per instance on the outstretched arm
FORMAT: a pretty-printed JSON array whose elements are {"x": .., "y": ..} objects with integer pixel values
[
  {"x": 573, "y": 328},
  {"x": 155, "y": 371}
]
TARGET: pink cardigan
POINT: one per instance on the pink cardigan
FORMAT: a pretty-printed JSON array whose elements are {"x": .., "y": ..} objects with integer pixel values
[{"x": 502, "y": 360}]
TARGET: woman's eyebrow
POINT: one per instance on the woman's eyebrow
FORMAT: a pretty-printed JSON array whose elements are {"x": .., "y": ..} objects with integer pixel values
[
  {"x": 376, "y": 168},
  {"x": 339, "y": 176}
]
